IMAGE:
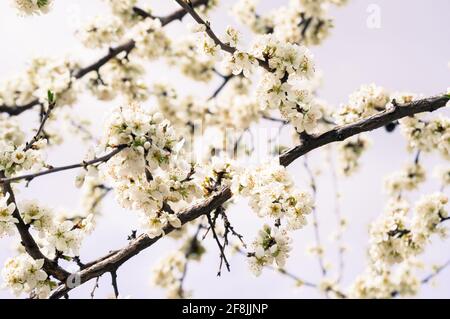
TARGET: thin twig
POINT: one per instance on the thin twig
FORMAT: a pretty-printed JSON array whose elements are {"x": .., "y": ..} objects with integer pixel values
[
  {"x": 45, "y": 117},
  {"x": 315, "y": 217},
  {"x": 114, "y": 283},
  {"x": 223, "y": 258},
  {"x": 84, "y": 164},
  {"x": 95, "y": 287}
]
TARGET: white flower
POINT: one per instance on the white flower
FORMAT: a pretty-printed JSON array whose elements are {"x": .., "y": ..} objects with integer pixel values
[
  {"x": 209, "y": 47},
  {"x": 7, "y": 220},
  {"x": 241, "y": 62},
  {"x": 167, "y": 274},
  {"x": 30, "y": 7},
  {"x": 101, "y": 31},
  {"x": 271, "y": 192},
  {"x": 231, "y": 36},
  {"x": 427, "y": 136},
  {"x": 65, "y": 238},
  {"x": 151, "y": 174},
  {"x": 367, "y": 101},
  {"x": 36, "y": 215},
  {"x": 350, "y": 151},
  {"x": 23, "y": 274},
  {"x": 271, "y": 245},
  {"x": 150, "y": 38},
  {"x": 408, "y": 179},
  {"x": 443, "y": 174}
]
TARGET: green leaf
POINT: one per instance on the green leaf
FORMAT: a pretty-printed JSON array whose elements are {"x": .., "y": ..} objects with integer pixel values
[
  {"x": 42, "y": 3},
  {"x": 50, "y": 96}
]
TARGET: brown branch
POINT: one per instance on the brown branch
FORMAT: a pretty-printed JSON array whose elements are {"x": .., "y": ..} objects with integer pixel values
[
  {"x": 226, "y": 79},
  {"x": 83, "y": 164},
  {"x": 40, "y": 130},
  {"x": 114, "y": 283},
  {"x": 381, "y": 119},
  {"x": 27, "y": 240},
  {"x": 115, "y": 259},
  {"x": 223, "y": 257}
]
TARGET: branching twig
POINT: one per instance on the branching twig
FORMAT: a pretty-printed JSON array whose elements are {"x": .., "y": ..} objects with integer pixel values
[
  {"x": 223, "y": 258},
  {"x": 40, "y": 130}
]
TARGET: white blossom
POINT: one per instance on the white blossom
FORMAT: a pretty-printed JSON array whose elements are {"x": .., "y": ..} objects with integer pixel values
[
  {"x": 7, "y": 220},
  {"x": 270, "y": 246},
  {"x": 22, "y": 274},
  {"x": 30, "y": 7}
]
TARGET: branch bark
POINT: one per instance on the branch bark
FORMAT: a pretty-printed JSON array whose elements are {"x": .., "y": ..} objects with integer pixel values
[{"x": 114, "y": 260}]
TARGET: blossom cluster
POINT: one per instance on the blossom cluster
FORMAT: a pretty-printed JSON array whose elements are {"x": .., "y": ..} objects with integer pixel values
[
  {"x": 31, "y": 7},
  {"x": 15, "y": 157},
  {"x": 25, "y": 275},
  {"x": 57, "y": 236},
  {"x": 185, "y": 56},
  {"x": 271, "y": 245},
  {"x": 405, "y": 180},
  {"x": 42, "y": 75},
  {"x": 427, "y": 136},
  {"x": 119, "y": 75},
  {"x": 151, "y": 172},
  {"x": 168, "y": 272},
  {"x": 101, "y": 32},
  {"x": 286, "y": 87},
  {"x": 395, "y": 237},
  {"x": 150, "y": 38},
  {"x": 367, "y": 101},
  {"x": 272, "y": 194},
  {"x": 304, "y": 21},
  {"x": 350, "y": 152},
  {"x": 387, "y": 283}
]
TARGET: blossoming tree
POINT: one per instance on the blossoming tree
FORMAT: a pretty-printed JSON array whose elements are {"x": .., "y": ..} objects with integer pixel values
[{"x": 156, "y": 157}]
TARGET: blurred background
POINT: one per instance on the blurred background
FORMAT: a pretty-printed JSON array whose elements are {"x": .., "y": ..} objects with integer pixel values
[{"x": 410, "y": 51}]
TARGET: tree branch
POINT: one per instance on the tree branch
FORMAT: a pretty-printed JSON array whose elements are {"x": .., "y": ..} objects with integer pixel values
[
  {"x": 84, "y": 164},
  {"x": 115, "y": 259},
  {"x": 381, "y": 119},
  {"x": 28, "y": 242}
]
